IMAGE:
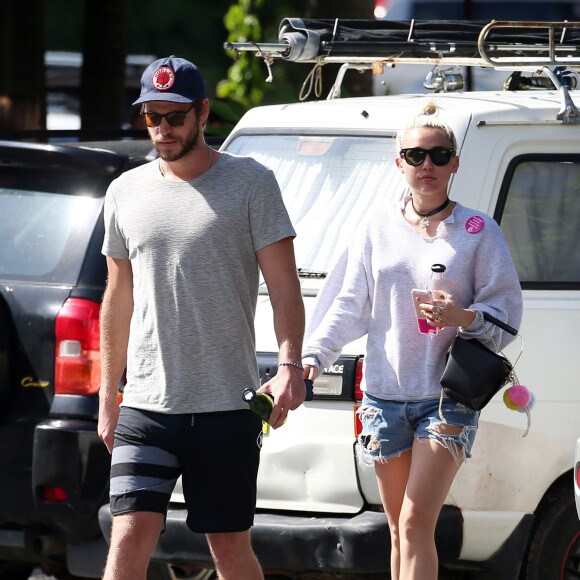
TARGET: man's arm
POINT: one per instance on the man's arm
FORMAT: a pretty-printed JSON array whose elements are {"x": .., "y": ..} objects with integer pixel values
[
  {"x": 278, "y": 267},
  {"x": 116, "y": 312}
]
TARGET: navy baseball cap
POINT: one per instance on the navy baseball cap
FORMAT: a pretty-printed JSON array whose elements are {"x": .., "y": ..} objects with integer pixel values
[{"x": 172, "y": 79}]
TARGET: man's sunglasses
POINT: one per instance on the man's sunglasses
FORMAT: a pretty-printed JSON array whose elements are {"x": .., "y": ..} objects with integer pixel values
[
  {"x": 175, "y": 119},
  {"x": 416, "y": 155}
]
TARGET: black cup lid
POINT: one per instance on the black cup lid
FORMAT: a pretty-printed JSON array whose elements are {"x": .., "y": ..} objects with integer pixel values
[{"x": 438, "y": 268}]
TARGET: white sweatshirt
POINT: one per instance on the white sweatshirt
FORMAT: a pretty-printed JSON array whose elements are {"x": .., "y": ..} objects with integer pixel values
[{"x": 368, "y": 291}]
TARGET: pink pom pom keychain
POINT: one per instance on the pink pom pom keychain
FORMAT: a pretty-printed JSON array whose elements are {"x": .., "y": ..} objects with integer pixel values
[{"x": 521, "y": 399}]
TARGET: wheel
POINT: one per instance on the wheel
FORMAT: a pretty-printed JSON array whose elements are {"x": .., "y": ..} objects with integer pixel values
[
  {"x": 14, "y": 571},
  {"x": 554, "y": 549},
  {"x": 162, "y": 571},
  {"x": 52, "y": 570}
]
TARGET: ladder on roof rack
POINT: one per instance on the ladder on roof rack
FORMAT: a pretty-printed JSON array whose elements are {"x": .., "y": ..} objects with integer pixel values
[{"x": 555, "y": 52}]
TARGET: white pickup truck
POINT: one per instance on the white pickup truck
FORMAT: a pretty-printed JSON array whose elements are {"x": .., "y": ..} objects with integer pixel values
[{"x": 511, "y": 510}]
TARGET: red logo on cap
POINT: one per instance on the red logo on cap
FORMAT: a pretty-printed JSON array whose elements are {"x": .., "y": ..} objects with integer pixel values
[
  {"x": 163, "y": 78},
  {"x": 474, "y": 224}
]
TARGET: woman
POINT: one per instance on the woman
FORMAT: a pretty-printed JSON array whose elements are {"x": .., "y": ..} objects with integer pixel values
[{"x": 416, "y": 441}]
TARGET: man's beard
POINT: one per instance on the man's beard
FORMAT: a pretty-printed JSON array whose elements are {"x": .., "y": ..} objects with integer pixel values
[{"x": 187, "y": 145}]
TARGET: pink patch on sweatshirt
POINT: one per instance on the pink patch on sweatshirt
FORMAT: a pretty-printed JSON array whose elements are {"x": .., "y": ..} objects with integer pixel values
[{"x": 474, "y": 224}]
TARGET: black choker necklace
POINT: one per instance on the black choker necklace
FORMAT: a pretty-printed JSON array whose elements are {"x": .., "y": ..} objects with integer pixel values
[{"x": 426, "y": 215}]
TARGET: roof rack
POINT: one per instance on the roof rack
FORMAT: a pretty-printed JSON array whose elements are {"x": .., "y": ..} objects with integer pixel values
[
  {"x": 455, "y": 42},
  {"x": 374, "y": 44}
]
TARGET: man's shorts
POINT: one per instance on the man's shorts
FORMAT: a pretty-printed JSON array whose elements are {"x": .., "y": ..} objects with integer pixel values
[{"x": 216, "y": 454}]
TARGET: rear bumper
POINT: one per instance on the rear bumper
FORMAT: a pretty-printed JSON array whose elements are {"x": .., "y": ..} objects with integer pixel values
[
  {"x": 69, "y": 455},
  {"x": 358, "y": 543}
]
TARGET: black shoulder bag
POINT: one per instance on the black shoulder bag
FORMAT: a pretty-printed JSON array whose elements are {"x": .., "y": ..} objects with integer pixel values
[{"x": 474, "y": 373}]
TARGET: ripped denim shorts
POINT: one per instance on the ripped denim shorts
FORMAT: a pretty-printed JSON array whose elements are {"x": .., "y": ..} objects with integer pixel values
[{"x": 389, "y": 428}]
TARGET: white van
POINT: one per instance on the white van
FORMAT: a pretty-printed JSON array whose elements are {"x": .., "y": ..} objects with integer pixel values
[{"x": 511, "y": 511}]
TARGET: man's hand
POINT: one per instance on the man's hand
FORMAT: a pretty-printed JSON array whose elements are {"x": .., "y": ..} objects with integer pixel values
[
  {"x": 289, "y": 391},
  {"x": 108, "y": 419}
]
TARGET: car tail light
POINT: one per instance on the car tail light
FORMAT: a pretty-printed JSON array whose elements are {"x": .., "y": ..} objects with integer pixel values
[
  {"x": 53, "y": 493},
  {"x": 78, "y": 361},
  {"x": 357, "y": 396},
  {"x": 578, "y": 475}
]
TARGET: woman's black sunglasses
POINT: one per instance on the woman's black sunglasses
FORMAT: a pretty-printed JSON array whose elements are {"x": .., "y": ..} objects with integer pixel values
[
  {"x": 175, "y": 119},
  {"x": 416, "y": 155}
]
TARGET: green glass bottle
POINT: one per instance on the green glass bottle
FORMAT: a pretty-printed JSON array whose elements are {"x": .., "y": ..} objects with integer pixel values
[{"x": 260, "y": 403}]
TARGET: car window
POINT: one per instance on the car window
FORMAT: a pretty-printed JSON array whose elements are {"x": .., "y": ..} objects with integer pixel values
[
  {"x": 329, "y": 184},
  {"x": 541, "y": 217},
  {"x": 44, "y": 236}
]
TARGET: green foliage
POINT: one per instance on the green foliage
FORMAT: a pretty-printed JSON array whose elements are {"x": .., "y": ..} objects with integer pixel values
[
  {"x": 245, "y": 80},
  {"x": 245, "y": 86},
  {"x": 196, "y": 30}
]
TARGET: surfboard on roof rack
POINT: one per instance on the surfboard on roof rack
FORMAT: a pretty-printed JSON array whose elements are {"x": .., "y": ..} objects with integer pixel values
[{"x": 476, "y": 43}]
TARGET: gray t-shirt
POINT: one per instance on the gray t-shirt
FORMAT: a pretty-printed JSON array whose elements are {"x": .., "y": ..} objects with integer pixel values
[{"x": 192, "y": 247}]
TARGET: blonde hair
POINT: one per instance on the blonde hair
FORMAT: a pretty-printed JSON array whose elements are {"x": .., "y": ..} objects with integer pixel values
[{"x": 427, "y": 118}]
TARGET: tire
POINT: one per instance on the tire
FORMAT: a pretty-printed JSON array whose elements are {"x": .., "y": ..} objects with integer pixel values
[
  {"x": 554, "y": 549},
  {"x": 162, "y": 571},
  {"x": 15, "y": 571}
]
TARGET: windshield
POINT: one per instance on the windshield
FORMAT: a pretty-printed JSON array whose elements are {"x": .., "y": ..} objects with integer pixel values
[{"x": 329, "y": 185}]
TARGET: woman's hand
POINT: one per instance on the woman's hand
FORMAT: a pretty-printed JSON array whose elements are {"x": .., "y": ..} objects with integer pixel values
[
  {"x": 310, "y": 372},
  {"x": 445, "y": 312}
]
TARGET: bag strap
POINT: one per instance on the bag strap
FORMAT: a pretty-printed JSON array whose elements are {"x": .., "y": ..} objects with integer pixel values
[
  {"x": 500, "y": 323},
  {"x": 513, "y": 377}
]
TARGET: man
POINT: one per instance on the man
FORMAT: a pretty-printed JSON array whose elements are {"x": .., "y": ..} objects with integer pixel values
[{"x": 185, "y": 238}]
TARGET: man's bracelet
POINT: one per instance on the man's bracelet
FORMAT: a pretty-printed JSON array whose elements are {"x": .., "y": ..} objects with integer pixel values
[{"x": 291, "y": 364}]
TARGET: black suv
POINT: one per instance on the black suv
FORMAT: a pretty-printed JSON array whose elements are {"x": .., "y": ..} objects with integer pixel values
[{"x": 53, "y": 467}]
